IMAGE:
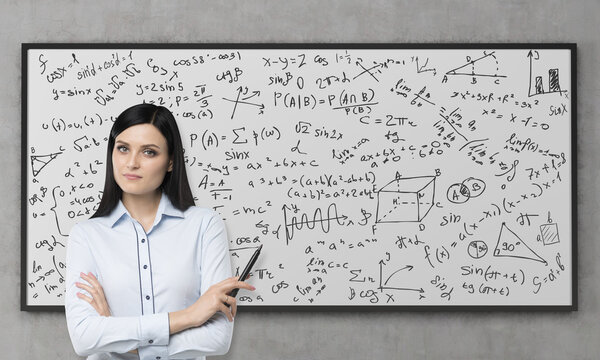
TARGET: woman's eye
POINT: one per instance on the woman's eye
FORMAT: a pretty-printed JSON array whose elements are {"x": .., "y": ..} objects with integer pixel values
[
  {"x": 121, "y": 148},
  {"x": 149, "y": 152}
]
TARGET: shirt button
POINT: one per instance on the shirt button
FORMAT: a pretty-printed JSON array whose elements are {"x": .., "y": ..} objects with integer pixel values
[
  {"x": 143, "y": 241},
  {"x": 158, "y": 358},
  {"x": 145, "y": 266},
  {"x": 150, "y": 341},
  {"x": 147, "y": 297}
]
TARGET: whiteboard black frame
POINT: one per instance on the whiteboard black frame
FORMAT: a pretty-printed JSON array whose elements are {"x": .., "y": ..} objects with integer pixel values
[{"x": 572, "y": 47}]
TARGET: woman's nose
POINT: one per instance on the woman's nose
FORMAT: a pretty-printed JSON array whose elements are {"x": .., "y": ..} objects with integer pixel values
[{"x": 133, "y": 161}]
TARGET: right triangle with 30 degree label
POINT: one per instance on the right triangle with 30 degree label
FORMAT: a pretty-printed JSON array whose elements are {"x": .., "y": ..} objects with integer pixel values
[{"x": 510, "y": 245}]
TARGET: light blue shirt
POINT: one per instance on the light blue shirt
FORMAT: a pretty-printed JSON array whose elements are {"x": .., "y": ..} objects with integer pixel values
[{"x": 146, "y": 275}]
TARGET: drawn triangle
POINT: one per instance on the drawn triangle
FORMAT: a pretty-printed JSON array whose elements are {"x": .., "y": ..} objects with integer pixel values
[
  {"x": 485, "y": 63},
  {"x": 510, "y": 245},
  {"x": 38, "y": 162}
]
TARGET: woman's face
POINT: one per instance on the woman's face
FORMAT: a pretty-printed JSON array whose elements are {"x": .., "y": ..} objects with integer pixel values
[{"x": 140, "y": 159}]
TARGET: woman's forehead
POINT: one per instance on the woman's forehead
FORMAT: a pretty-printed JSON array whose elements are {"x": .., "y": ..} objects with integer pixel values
[{"x": 142, "y": 134}]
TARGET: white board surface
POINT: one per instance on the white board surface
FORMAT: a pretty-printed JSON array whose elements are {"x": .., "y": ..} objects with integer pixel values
[{"x": 371, "y": 176}]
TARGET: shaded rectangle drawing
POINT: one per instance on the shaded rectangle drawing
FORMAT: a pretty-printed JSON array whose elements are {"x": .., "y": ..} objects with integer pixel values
[
  {"x": 554, "y": 84},
  {"x": 549, "y": 233},
  {"x": 539, "y": 85}
]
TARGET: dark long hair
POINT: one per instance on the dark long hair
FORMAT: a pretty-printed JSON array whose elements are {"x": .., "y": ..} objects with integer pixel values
[{"x": 175, "y": 184}]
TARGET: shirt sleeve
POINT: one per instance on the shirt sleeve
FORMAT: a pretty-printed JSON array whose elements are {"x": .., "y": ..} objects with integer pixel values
[
  {"x": 91, "y": 333},
  {"x": 214, "y": 336}
]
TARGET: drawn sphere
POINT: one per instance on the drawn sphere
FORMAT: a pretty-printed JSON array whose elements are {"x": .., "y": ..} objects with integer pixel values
[
  {"x": 477, "y": 249},
  {"x": 475, "y": 186},
  {"x": 458, "y": 193}
]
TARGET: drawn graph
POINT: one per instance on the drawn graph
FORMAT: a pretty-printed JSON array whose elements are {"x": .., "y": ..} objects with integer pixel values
[
  {"x": 397, "y": 277},
  {"x": 298, "y": 223},
  {"x": 537, "y": 75},
  {"x": 242, "y": 99}
]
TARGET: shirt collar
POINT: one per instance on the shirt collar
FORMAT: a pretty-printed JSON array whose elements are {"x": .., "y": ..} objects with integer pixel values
[{"x": 165, "y": 207}]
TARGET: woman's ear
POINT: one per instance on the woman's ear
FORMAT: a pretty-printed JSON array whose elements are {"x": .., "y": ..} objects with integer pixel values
[{"x": 170, "y": 168}]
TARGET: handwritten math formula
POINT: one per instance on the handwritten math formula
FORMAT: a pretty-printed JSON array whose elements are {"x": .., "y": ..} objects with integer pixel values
[{"x": 372, "y": 177}]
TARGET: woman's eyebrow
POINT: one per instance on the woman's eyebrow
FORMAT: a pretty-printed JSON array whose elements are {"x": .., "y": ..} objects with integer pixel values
[{"x": 145, "y": 145}]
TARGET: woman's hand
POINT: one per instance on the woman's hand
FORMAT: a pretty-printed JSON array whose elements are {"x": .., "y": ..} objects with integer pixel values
[
  {"x": 215, "y": 299},
  {"x": 98, "y": 300}
]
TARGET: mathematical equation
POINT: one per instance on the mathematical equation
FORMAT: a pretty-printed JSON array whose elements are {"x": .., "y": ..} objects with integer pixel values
[{"x": 404, "y": 177}]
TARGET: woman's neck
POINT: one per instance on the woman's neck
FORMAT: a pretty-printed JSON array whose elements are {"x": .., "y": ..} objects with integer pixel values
[{"x": 142, "y": 208}]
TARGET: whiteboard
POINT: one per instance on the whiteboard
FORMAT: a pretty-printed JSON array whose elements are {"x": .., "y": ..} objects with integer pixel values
[{"x": 374, "y": 176}]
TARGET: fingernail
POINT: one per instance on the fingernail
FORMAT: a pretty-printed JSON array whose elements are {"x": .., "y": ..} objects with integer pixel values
[
  {"x": 81, "y": 274},
  {"x": 253, "y": 288}
]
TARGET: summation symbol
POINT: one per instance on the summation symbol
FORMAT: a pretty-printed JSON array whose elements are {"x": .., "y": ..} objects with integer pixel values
[
  {"x": 510, "y": 245},
  {"x": 38, "y": 162},
  {"x": 485, "y": 66},
  {"x": 297, "y": 224}
]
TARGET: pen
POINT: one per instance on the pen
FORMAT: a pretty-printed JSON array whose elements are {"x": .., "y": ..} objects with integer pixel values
[{"x": 247, "y": 269}]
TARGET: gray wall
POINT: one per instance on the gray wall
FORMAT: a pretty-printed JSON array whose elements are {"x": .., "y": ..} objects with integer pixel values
[{"x": 276, "y": 335}]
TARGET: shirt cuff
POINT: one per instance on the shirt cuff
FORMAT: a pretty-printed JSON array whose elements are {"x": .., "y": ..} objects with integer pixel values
[
  {"x": 154, "y": 329},
  {"x": 153, "y": 352}
]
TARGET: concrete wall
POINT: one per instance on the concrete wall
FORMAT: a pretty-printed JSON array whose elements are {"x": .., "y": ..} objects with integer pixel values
[{"x": 321, "y": 335}]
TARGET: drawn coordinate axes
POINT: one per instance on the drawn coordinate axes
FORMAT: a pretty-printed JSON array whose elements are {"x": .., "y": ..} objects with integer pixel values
[{"x": 385, "y": 286}]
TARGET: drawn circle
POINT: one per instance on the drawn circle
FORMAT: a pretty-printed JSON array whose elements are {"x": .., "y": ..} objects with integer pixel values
[
  {"x": 458, "y": 193},
  {"x": 477, "y": 249},
  {"x": 475, "y": 186}
]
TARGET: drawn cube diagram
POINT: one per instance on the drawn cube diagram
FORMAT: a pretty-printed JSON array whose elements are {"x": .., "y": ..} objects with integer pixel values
[{"x": 406, "y": 199}]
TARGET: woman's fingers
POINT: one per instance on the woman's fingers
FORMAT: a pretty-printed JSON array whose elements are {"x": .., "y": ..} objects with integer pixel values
[
  {"x": 227, "y": 311},
  {"x": 90, "y": 278},
  {"x": 97, "y": 300},
  {"x": 231, "y": 302},
  {"x": 84, "y": 297},
  {"x": 85, "y": 287},
  {"x": 90, "y": 301},
  {"x": 234, "y": 283},
  {"x": 233, "y": 307}
]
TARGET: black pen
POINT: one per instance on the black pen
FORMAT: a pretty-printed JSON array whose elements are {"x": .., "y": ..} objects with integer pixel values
[{"x": 247, "y": 269}]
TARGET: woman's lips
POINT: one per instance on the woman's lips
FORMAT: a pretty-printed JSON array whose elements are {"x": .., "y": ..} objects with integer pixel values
[{"x": 132, "y": 177}]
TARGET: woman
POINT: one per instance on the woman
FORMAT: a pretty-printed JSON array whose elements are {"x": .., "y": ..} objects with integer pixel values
[{"x": 149, "y": 274}]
